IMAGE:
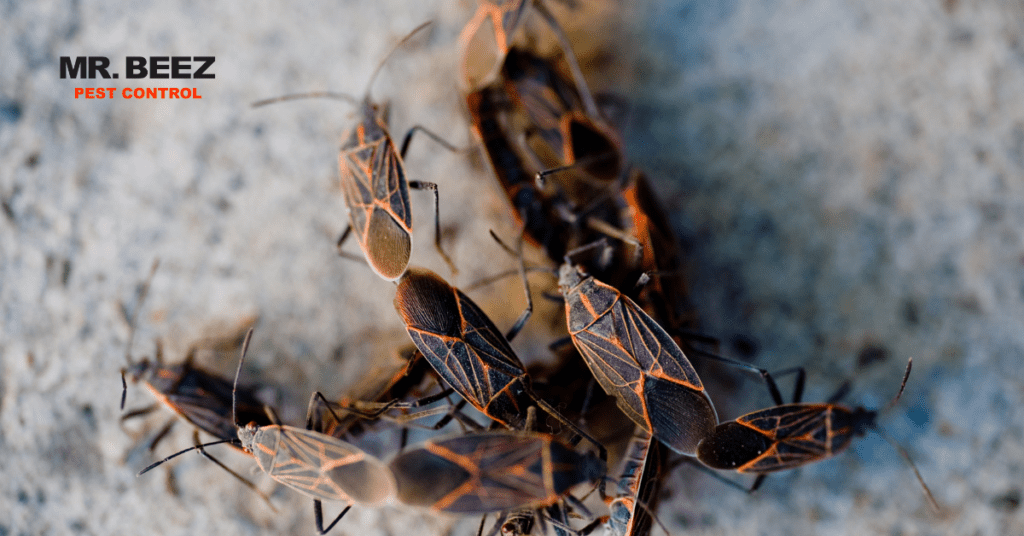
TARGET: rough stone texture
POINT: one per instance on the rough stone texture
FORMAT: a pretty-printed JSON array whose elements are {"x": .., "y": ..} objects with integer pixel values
[{"x": 847, "y": 177}]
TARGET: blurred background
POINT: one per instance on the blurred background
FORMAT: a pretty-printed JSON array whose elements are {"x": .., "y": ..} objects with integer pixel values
[{"x": 847, "y": 179}]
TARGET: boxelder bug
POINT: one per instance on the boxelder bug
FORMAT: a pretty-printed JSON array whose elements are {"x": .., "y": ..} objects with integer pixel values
[
  {"x": 791, "y": 435},
  {"x": 199, "y": 396},
  {"x": 490, "y": 472},
  {"x": 637, "y": 362},
  {"x": 573, "y": 135},
  {"x": 467, "y": 350},
  {"x": 505, "y": 18},
  {"x": 314, "y": 464},
  {"x": 631, "y": 512},
  {"x": 374, "y": 183}
]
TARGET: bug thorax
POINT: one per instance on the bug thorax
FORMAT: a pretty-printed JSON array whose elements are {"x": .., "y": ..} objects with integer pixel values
[
  {"x": 569, "y": 277},
  {"x": 862, "y": 420},
  {"x": 247, "y": 435}
]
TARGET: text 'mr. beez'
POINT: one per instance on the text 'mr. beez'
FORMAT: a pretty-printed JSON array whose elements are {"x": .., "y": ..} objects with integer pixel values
[{"x": 153, "y": 67}]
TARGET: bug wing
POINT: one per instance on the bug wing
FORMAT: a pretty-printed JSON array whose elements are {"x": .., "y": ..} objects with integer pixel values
[
  {"x": 323, "y": 467},
  {"x": 377, "y": 194},
  {"x": 510, "y": 475},
  {"x": 680, "y": 416},
  {"x": 801, "y": 433}
]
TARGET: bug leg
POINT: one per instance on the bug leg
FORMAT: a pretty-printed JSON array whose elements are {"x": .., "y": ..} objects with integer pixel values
[
  {"x": 483, "y": 521},
  {"x": 124, "y": 391},
  {"x": 714, "y": 474},
  {"x": 422, "y": 185},
  {"x": 773, "y": 387},
  {"x": 407, "y": 139},
  {"x": 757, "y": 483},
  {"x": 551, "y": 296},
  {"x": 602, "y": 451},
  {"x": 462, "y": 419},
  {"x": 798, "y": 385},
  {"x": 560, "y": 343},
  {"x": 138, "y": 412},
  {"x": 570, "y": 59},
  {"x": 161, "y": 435},
  {"x": 508, "y": 273},
  {"x": 840, "y": 393},
  {"x": 247, "y": 483},
  {"x": 318, "y": 517},
  {"x": 341, "y": 241},
  {"x": 518, "y": 253}
]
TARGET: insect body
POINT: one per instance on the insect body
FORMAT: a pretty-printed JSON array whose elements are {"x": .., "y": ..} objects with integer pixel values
[
  {"x": 792, "y": 435},
  {"x": 312, "y": 463},
  {"x": 637, "y": 362},
  {"x": 491, "y": 472},
  {"x": 630, "y": 512},
  {"x": 468, "y": 352},
  {"x": 317, "y": 465},
  {"x": 200, "y": 397},
  {"x": 464, "y": 346},
  {"x": 377, "y": 192}
]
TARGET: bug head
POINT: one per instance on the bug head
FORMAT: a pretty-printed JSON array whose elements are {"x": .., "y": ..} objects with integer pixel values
[{"x": 247, "y": 435}]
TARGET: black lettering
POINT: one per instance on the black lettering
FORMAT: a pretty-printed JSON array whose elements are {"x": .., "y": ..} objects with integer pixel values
[
  {"x": 180, "y": 67},
  {"x": 201, "y": 71},
  {"x": 157, "y": 64},
  {"x": 98, "y": 64},
  {"x": 136, "y": 66},
  {"x": 76, "y": 69}
]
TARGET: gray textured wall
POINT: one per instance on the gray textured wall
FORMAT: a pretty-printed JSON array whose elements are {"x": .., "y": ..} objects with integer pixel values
[{"x": 847, "y": 176}]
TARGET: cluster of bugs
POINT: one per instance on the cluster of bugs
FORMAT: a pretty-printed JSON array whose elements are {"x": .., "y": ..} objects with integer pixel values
[{"x": 630, "y": 331}]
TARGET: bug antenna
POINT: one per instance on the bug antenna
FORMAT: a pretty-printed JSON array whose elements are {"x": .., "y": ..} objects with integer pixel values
[
  {"x": 179, "y": 453},
  {"x": 913, "y": 467},
  {"x": 394, "y": 48},
  {"x": 143, "y": 292},
  {"x": 234, "y": 386},
  {"x": 334, "y": 95},
  {"x": 489, "y": 280},
  {"x": 910, "y": 363}
]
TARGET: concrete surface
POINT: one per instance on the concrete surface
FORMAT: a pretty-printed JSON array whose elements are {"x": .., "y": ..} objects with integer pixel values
[{"x": 847, "y": 178}]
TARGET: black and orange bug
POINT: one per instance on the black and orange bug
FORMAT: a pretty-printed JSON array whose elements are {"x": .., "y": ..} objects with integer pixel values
[
  {"x": 636, "y": 361},
  {"x": 468, "y": 351},
  {"x": 572, "y": 132},
  {"x": 787, "y": 436},
  {"x": 491, "y": 471},
  {"x": 493, "y": 29},
  {"x": 374, "y": 184},
  {"x": 665, "y": 296},
  {"x": 377, "y": 192},
  {"x": 201, "y": 397},
  {"x": 533, "y": 209},
  {"x": 314, "y": 464},
  {"x": 631, "y": 512}
]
